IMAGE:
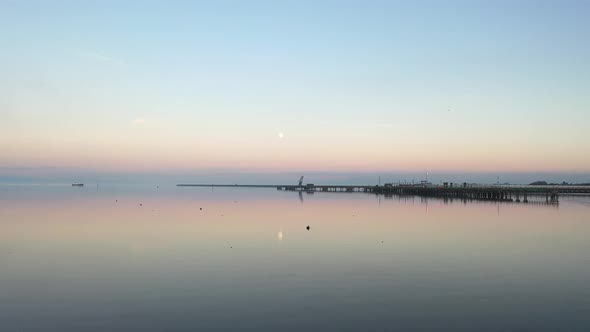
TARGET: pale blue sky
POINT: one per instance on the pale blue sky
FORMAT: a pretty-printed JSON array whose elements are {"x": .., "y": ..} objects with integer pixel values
[{"x": 351, "y": 85}]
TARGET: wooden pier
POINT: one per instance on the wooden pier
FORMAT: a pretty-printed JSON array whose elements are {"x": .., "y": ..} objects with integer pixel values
[
  {"x": 549, "y": 194},
  {"x": 489, "y": 193}
]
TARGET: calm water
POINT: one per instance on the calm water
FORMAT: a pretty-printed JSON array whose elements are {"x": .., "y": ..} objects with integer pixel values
[{"x": 76, "y": 259}]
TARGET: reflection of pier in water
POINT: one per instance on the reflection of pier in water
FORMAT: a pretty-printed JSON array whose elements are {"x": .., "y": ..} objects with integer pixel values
[
  {"x": 539, "y": 200},
  {"x": 532, "y": 200}
]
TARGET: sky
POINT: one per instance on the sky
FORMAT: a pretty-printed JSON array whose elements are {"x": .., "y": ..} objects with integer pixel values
[{"x": 174, "y": 87}]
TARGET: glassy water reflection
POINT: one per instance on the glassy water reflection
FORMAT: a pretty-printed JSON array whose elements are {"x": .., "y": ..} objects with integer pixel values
[{"x": 186, "y": 259}]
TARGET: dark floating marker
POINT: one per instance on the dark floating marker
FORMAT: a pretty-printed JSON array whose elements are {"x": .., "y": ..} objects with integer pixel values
[
  {"x": 116, "y": 200},
  {"x": 200, "y": 208},
  {"x": 308, "y": 228},
  {"x": 140, "y": 204}
]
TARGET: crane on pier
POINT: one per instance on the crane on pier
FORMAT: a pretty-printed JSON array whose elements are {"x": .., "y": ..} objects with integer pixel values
[{"x": 301, "y": 181}]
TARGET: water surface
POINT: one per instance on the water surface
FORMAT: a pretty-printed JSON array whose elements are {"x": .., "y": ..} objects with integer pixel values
[{"x": 147, "y": 258}]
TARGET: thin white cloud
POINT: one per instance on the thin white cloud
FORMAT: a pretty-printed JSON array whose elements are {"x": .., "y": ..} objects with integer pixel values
[{"x": 102, "y": 57}]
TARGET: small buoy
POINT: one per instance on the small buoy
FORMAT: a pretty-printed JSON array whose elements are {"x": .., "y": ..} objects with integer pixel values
[
  {"x": 140, "y": 204},
  {"x": 116, "y": 200},
  {"x": 307, "y": 227},
  {"x": 200, "y": 208}
]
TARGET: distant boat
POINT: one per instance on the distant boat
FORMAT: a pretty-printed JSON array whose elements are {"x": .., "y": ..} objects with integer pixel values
[{"x": 77, "y": 184}]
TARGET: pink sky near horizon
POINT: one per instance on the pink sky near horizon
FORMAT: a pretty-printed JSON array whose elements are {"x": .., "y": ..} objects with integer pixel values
[{"x": 278, "y": 155}]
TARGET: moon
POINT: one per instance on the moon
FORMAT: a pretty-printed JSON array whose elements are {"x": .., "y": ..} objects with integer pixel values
[{"x": 281, "y": 135}]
